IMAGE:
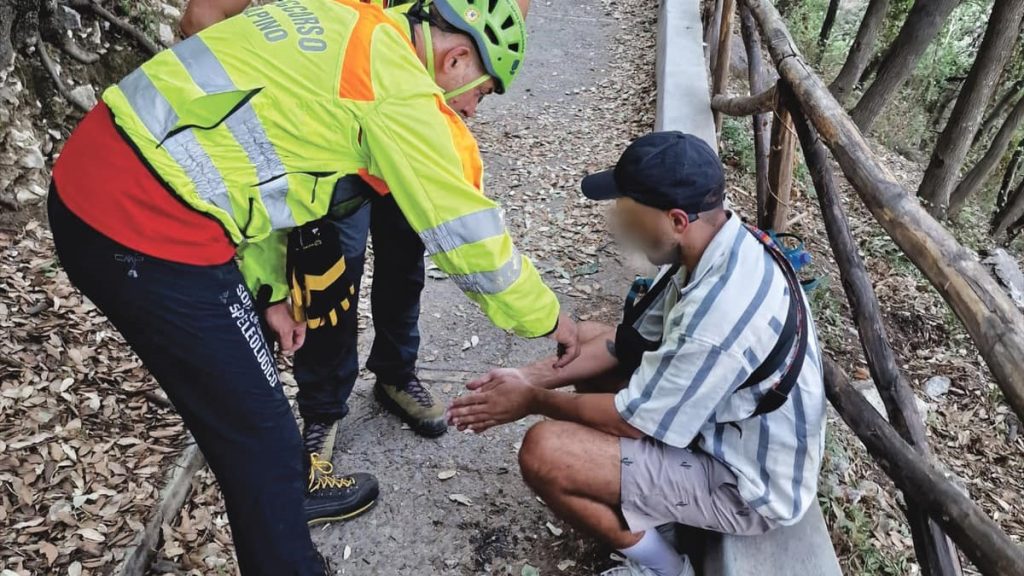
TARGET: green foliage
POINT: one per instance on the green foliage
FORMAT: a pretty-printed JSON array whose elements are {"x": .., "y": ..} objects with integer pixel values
[
  {"x": 738, "y": 143},
  {"x": 871, "y": 559},
  {"x": 828, "y": 314}
]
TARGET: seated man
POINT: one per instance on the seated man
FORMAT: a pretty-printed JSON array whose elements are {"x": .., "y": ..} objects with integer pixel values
[{"x": 705, "y": 406}]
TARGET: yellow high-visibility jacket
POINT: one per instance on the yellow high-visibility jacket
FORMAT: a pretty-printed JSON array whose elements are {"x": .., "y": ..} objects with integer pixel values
[{"x": 253, "y": 120}]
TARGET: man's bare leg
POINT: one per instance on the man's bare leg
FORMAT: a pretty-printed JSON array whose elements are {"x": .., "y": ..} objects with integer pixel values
[{"x": 575, "y": 470}]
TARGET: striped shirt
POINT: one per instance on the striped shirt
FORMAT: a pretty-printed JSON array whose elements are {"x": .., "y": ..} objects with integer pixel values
[{"x": 714, "y": 332}]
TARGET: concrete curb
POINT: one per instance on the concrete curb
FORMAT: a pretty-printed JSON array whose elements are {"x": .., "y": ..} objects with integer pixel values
[
  {"x": 684, "y": 98},
  {"x": 804, "y": 548}
]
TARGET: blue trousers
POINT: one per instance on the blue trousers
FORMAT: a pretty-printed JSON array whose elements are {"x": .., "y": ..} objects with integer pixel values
[
  {"x": 327, "y": 365},
  {"x": 197, "y": 331}
]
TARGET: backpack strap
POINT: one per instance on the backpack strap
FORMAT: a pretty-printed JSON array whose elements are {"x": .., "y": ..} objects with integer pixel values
[
  {"x": 793, "y": 331},
  {"x": 641, "y": 298}
]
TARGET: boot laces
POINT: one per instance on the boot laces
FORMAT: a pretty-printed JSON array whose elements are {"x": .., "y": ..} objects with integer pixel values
[
  {"x": 419, "y": 392},
  {"x": 315, "y": 434},
  {"x": 321, "y": 475}
]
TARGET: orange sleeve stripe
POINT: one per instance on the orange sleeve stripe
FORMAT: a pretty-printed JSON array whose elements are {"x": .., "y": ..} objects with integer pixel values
[
  {"x": 356, "y": 75},
  {"x": 379, "y": 186},
  {"x": 465, "y": 145}
]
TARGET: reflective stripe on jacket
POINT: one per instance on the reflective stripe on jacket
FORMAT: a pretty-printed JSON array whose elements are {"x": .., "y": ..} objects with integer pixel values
[{"x": 254, "y": 119}]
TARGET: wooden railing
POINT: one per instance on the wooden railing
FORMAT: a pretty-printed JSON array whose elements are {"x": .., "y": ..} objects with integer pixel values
[{"x": 801, "y": 108}]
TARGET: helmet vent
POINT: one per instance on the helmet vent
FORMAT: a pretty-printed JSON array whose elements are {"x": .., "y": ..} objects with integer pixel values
[
  {"x": 491, "y": 35},
  {"x": 493, "y": 5},
  {"x": 508, "y": 23}
]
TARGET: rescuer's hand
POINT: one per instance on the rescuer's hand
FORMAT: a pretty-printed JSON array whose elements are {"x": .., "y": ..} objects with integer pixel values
[
  {"x": 288, "y": 333},
  {"x": 568, "y": 338}
]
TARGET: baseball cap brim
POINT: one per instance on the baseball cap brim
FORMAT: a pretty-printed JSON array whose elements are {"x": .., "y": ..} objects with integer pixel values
[{"x": 601, "y": 186}]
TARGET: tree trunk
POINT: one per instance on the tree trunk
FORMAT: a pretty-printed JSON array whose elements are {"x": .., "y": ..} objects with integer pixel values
[
  {"x": 996, "y": 113},
  {"x": 19, "y": 26},
  {"x": 780, "y": 166},
  {"x": 981, "y": 539},
  {"x": 755, "y": 77},
  {"x": 861, "y": 50},
  {"x": 1009, "y": 176},
  {"x": 992, "y": 319},
  {"x": 935, "y": 552},
  {"x": 826, "y": 25},
  {"x": 1010, "y": 213},
  {"x": 979, "y": 174},
  {"x": 955, "y": 141},
  {"x": 720, "y": 79},
  {"x": 923, "y": 23},
  {"x": 939, "y": 115}
]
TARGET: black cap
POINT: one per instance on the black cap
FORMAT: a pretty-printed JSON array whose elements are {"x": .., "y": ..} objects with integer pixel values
[{"x": 664, "y": 170}]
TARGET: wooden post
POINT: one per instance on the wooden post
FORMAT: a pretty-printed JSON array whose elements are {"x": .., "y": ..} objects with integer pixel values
[
  {"x": 989, "y": 315},
  {"x": 172, "y": 498},
  {"x": 744, "y": 105},
  {"x": 935, "y": 553},
  {"x": 981, "y": 539},
  {"x": 720, "y": 78},
  {"x": 780, "y": 164},
  {"x": 755, "y": 78},
  {"x": 711, "y": 34}
]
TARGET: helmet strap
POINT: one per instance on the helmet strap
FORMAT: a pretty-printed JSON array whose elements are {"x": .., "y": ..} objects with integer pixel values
[
  {"x": 466, "y": 88},
  {"x": 428, "y": 49}
]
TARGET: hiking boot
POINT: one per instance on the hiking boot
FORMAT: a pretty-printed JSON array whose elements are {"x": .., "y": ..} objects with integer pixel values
[
  {"x": 415, "y": 404},
  {"x": 318, "y": 437},
  {"x": 331, "y": 498}
]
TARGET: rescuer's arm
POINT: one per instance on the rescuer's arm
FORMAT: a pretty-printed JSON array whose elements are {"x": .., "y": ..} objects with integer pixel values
[
  {"x": 204, "y": 13},
  {"x": 430, "y": 162}
]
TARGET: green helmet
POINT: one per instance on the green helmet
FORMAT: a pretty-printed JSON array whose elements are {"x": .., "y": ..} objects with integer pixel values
[{"x": 498, "y": 29}]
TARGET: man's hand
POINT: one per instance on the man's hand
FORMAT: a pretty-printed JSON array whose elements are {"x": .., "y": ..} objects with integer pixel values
[
  {"x": 203, "y": 13},
  {"x": 568, "y": 338},
  {"x": 499, "y": 397},
  {"x": 289, "y": 333}
]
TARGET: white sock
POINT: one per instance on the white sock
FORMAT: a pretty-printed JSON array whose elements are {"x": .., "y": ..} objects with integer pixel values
[{"x": 656, "y": 553}]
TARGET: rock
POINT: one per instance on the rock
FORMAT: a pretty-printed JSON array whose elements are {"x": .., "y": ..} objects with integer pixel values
[
  {"x": 937, "y": 386},
  {"x": 31, "y": 194},
  {"x": 32, "y": 159},
  {"x": 72, "y": 19},
  {"x": 1007, "y": 270},
  {"x": 86, "y": 93},
  {"x": 166, "y": 34},
  {"x": 170, "y": 11},
  {"x": 870, "y": 393}
]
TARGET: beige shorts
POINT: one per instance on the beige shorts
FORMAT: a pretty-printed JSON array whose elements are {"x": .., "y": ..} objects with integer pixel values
[{"x": 663, "y": 484}]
